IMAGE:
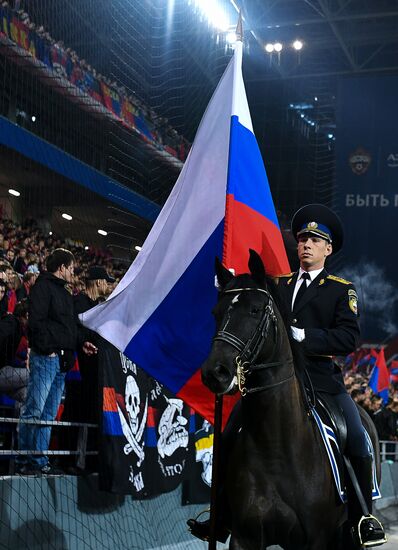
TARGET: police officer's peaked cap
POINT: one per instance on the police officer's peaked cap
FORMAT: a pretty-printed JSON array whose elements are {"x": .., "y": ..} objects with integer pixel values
[{"x": 318, "y": 220}]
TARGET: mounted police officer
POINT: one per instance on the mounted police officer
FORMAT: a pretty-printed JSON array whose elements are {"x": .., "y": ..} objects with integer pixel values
[{"x": 324, "y": 319}]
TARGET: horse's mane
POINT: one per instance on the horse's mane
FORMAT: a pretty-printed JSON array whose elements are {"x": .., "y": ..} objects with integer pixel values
[
  {"x": 297, "y": 350},
  {"x": 246, "y": 281}
]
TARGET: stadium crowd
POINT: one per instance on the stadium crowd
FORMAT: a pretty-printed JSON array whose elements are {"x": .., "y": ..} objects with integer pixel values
[
  {"x": 25, "y": 252},
  {"x": 89, "y": 275},
  {"x": 17, "y": 26},
  {"x": 384, "y": 413}
]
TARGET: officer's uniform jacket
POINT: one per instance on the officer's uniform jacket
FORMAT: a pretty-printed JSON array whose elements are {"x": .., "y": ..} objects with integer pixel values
[{"x": 328, "y": 313}]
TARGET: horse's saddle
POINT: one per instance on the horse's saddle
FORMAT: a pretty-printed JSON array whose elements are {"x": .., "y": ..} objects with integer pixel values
[
  {"x": 332, "y": 426},
  {"x": 331, "y": 414}
]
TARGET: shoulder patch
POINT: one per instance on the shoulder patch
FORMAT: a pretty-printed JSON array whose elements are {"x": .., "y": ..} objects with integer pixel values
[{"x": 338, "y": 279}]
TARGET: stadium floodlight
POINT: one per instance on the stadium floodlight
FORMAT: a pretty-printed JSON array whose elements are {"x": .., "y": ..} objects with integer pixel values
[
  {"x": 215, "y": 15},
  {"x": 278, "y": 47},
  {"x": 50, "y": 233},
  {"x": 14, "y": 192},
  {"x": 86, "y": 248},
  {"x": 330, "y": 136},
  {"x": 231, "y": 37},
  {"x": 298, "y": 45},
  {"x": 269, "y": 48},
  {"x": 137, "y": 248},
  {"x": 67, "y": 217},
  {"x": 102, "y": 232},
  {"x": 315, "y": 98},
  {"x": 33, "y": 118}
]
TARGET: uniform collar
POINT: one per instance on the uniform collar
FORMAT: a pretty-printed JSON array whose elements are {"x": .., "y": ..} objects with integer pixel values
[{"x": 313, "y": 274}]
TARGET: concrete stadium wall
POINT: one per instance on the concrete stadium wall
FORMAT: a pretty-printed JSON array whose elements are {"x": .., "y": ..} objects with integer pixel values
[
  {"x": 70, "y": 513},
  {"x": 389, "y": 485}
]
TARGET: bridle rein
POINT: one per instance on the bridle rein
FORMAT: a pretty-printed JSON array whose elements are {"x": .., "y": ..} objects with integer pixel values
[{"x": 249, "y": 351}]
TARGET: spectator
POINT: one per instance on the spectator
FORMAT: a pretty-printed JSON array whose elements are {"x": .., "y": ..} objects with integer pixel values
[
  {"x": 29, "y": 280},
  {"x": 20, "y": 264},
  {"x": 3, "y": 298},
  {"x": 6, "y": 272},
  {"x": 53, "y": 339},
  {"x": 82, "y": 402},
  {"x": 97, "y": 289},
  {"x": 10, "y": 256},
  {"x": 14, "y": 373},
  {"x": 32, "y": 268},
  {"x": 14, "y": 284}
]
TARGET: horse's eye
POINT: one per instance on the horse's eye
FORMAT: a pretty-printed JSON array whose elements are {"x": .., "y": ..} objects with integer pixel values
[{"x": 254, "y": 310}]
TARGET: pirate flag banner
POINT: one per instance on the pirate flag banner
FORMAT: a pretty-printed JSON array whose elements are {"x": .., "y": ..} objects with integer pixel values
[
  {"x": 146, "y": 432},
  {"x": 196, "y": 487},
  {"x": 126, "y": 388},
  {"x": 168, "y": 440}
]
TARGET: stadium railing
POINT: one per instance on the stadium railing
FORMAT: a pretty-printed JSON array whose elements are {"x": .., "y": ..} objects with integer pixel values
[
  {"x": 389, "y": 451},
  {"x": 81, "y": 451}
]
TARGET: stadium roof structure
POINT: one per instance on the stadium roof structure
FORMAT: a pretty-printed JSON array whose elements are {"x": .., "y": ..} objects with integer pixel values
[
  {"x": 171, "y": 58},
  {"x": 339, "y": 37}
]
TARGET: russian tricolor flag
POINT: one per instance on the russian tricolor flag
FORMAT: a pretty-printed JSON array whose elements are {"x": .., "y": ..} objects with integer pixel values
[
  {"x": 380, "y": 377},
  {"x": 221, "y": 205}
]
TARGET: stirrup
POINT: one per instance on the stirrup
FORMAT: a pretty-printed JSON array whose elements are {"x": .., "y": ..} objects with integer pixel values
[
  {"x": 201, "y": 529},
  {"x": 192, "y": 522},
  {"x": 206, "y": 511},
  {"x": 371, "y": 543}
]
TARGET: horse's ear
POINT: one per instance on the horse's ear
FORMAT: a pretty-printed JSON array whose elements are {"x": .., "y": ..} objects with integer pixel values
[
  {"x": 223, "y": 274},
  {"x": 256, "y": 266}
]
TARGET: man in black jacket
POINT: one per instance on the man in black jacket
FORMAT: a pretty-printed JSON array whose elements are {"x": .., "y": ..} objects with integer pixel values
[{"x": 53, "y": 338}]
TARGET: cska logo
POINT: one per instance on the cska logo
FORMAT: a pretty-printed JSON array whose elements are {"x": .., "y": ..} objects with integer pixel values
[{"x": 359, "y": 161}]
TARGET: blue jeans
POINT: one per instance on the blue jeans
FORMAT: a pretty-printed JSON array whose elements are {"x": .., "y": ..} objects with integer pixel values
[{"x": 44, "y": 393}]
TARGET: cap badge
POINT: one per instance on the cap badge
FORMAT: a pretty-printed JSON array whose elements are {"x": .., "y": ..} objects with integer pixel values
[{"x": 312, "y": 225}]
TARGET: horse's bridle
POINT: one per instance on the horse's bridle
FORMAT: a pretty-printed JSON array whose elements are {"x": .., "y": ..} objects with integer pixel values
[{"x": 249, "y": 351}]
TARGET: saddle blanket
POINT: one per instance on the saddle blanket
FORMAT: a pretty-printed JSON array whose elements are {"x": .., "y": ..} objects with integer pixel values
[{"x": 336, "y": 461}]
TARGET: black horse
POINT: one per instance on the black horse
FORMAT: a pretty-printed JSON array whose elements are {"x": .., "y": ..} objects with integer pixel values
[{"x": 279, "y": 484}]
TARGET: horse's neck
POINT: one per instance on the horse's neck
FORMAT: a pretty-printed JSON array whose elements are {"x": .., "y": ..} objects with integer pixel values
[
  {"x": 277, "y": 417},
  {"x": 279, "y": 410}
]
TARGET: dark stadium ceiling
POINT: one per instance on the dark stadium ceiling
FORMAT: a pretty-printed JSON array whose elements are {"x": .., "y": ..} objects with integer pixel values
[{"x": 339, "y": 36}]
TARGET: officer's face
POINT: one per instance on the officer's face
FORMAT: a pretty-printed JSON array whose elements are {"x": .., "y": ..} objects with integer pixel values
[{"x": 313, "y": 251}]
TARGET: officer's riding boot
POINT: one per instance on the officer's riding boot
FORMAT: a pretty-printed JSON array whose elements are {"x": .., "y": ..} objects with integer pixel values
[
  {"x": 201, "y": 529},
  {"x": 368, "y": 529}
]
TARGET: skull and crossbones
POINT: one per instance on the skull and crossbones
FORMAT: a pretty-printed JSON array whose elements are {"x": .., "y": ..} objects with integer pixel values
[{"x": 132, "y": 429}]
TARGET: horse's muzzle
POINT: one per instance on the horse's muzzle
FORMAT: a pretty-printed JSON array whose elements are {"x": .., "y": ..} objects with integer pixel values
[{"x": 218, "y": 378}]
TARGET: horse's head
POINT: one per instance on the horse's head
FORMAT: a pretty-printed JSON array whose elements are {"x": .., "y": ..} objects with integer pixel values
[{"x": 247, "y": 329}]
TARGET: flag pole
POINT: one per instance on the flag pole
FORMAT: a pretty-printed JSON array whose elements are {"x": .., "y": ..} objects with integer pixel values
[
  {"x": 218, "y": 411},
  {"x": 214, "y": 470}
]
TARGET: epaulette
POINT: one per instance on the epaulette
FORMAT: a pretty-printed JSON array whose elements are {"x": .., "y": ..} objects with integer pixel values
[
  {"x": 284, "y": 276},
  {"x": 338, "y": 279}
]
